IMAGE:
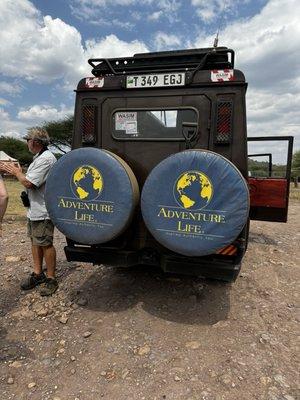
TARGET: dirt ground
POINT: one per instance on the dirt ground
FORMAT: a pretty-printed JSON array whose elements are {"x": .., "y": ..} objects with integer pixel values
[{"x": 138, "y": 334}]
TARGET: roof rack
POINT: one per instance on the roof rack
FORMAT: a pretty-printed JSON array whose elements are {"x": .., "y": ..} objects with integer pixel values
[{"x": 178, "y": 60}]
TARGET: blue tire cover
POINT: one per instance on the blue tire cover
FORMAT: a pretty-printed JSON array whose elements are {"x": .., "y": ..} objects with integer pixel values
[
  {"x": 195, "y": 202},
  {"x": 91, "y": 195}
]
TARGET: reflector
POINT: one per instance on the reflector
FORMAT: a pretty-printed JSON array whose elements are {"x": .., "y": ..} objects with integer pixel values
[
  {"x": 224, "y": 122},
  {"x": 88, "y": 123}
]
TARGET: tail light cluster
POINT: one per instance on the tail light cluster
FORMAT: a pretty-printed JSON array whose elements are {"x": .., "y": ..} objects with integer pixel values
[
  {"x": 223, "y": 131},
  {"x": 88, "y": 123}
]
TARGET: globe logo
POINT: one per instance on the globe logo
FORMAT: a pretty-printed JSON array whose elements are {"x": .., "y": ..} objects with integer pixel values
[
  {"x": 193, "y": 190},
  {"x": 87, "y": 183}
]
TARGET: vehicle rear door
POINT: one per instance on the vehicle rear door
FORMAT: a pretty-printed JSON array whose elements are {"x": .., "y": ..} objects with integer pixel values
[
  {"x": 269, "y": 182},
  {"x": 142, "y": 150}
]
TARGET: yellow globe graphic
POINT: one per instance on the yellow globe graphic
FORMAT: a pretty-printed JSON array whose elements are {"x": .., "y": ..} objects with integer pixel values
[
  {"x": 193, "y": 190},
  {"x": 87, "y": 182}
]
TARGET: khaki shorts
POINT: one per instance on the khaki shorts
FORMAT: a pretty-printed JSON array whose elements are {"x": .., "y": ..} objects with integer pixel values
[{"x": 40, "y": 232}]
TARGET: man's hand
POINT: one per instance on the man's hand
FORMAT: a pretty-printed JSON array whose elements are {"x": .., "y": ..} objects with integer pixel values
[{"x": 10, "y": 167}]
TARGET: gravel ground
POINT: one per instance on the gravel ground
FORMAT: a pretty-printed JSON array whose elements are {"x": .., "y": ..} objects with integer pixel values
[{"x": 138, "y": 334}]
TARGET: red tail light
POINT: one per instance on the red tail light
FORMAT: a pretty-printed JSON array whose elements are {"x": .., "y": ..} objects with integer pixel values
[{"x": 224, "y": 122}]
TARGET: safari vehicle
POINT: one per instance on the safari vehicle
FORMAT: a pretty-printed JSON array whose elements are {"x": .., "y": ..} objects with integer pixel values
[{"x": 158, "y": 174}]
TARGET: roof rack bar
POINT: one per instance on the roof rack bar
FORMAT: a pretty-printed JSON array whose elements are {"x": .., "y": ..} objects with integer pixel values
[
  {"x": 193, "y": 60},
  {"x": 178, "y": 53},
  {"x": 91, "y": 61}
]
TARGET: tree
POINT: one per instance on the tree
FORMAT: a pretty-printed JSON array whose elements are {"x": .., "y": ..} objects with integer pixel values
[
  {"x": 296, "y": 166},
  {"x": 60, "y": 133},
  {"x": 16, "y": 148},
  {"x": 296, "y": 161}
]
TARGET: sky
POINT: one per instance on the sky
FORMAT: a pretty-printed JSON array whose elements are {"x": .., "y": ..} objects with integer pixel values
[{"x": 45, "y": 45}]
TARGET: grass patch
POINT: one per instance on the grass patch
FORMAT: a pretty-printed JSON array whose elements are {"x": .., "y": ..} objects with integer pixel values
[
  {"x": 15, "y": 207},
  {"x": 295, "y": 193}
]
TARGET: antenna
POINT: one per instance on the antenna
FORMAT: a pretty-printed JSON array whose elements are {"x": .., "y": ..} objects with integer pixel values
[
  {"x": 216, "y": 40},
  {"x": 221, "y": 19}
]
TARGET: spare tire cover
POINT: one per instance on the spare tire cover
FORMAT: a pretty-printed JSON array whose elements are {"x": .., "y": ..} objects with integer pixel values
[
  {"x": 91, "y": 195},
  {"x": 195, "y": 202}
]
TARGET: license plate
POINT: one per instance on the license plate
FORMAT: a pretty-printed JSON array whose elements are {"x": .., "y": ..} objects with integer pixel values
[{"x": 155, "y": 80}]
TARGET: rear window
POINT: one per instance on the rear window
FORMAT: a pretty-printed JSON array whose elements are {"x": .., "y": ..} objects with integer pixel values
[{"x": 159, "y": 124}]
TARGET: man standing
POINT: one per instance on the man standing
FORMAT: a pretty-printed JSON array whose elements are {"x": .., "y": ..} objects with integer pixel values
[
  {"x": 39, "y": 225},
  {"x": 3, "y": 202}
]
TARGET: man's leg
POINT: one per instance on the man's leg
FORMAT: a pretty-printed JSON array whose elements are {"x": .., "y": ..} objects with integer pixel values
[
  {"x": 49, "y": 253},
  {"x": 37, "y": 255},
  {"x": 37, "y": 276},
  {"x": 51, "y": 284}
]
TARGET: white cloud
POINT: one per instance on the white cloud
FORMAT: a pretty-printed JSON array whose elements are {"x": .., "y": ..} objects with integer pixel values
[
  {"x": 155, "y": 16},
  {"x": 40, "y": 113},
  {"x": 163, "y": 41},
  {"x": 207, "y": 14},
  {"x": 264, "y": 105},
  {"x": 168, "y": 9},
  {"x": 12, "y": 89},
  {"x": 4, "y": 102},
  {"x": 137, "y": 16},
  {"x": 271, "y": 115},
  {"x": 9, "y": 126},
  {"x": 209, "y": 11},
  {"x": 267, "y": 50},
  {"x": 4, "y": 115},
  {"x": 104, "y": 3},
  {"x": 205, "y": 10},
  {"x": 45, "y": 50},
  {"x": 102, "y": 11},
  {"x": 168, "y": 5},
  {"x": 122, "y": 24},
  {"x": 40, "y": 49},
  {"x": 31, "y": 116},
  {"x": 111, "y": 46}
]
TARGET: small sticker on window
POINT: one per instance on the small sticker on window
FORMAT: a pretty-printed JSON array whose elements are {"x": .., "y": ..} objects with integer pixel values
[
  {"x": 131, "y": 127},
  {"x": 126, "y": 121}
]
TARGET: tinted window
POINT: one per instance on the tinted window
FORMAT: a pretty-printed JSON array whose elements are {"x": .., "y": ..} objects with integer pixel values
[{"x": 151, "y": 124}]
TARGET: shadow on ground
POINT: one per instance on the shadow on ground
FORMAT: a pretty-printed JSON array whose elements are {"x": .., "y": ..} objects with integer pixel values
[
  {"x": 182, "y": 299},
  {"x": 12, "y": 350},
  {"x": 261, "y": 238}
]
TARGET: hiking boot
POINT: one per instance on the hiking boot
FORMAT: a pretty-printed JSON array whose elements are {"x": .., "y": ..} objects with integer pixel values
[
  {"x": 49, "y": 287},
  {"x": 33, "y": 280}
]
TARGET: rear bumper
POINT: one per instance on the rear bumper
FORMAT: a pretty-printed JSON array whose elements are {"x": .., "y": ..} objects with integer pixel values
[
  {"x": 103, "y": 256},
  {"x": 215, "y": 266},
  {"x": 208, "y": 267}
]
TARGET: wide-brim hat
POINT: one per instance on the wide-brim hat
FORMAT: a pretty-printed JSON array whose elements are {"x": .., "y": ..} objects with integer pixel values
[{"x": 38, "y": 134}]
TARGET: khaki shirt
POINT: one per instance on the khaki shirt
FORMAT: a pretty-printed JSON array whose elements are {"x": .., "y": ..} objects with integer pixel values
[{"x": 37, "y": 174}]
